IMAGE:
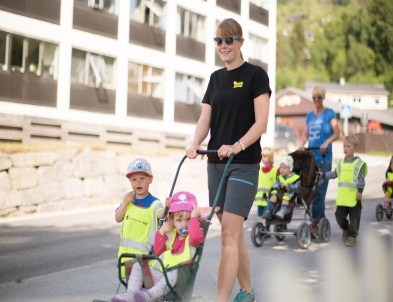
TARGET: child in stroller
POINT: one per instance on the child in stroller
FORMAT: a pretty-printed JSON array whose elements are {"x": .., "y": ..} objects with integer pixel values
[
  {"x": 305, "y": 167},
  {"x": 175, "y": 243},
  {"x": 287, "y": 184}
]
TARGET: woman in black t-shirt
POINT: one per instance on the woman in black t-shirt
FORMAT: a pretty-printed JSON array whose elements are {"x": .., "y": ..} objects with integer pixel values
[{"x": 235, "y": 110}]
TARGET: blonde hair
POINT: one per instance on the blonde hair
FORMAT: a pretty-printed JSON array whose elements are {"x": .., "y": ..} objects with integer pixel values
[
  {"x": 353, "y": 140},
  {"x": 319, "y": 91},
  {"x": 268, "y": 152},
  {"x": 173, "y": 215}
]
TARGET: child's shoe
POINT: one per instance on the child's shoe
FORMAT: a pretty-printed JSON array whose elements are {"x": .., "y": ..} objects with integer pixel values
[
  {"x": 126, "y": 297},
  {"x": 351, "y": 241},
  {"x": 387, "y": 205},
  {"x": 267, "y": 215},
  {"x": 280, "y": 214},
  {"x": 142, "y": 296}
]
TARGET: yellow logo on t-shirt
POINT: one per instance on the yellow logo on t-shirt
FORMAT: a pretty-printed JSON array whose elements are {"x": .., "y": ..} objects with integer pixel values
[{"x": 237, "y": 84}]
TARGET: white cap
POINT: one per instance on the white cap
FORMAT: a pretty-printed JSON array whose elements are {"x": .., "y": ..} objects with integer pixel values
[
  {"x": 288, "y": 162},
  {"x": 139, "y": 165}
]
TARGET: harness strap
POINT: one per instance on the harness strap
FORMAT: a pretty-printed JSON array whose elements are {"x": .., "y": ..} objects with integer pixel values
[{"x": 147, "y": 277}]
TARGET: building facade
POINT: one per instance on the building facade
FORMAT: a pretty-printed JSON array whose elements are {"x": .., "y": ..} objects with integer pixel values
[{"x": 129, "y": 64}]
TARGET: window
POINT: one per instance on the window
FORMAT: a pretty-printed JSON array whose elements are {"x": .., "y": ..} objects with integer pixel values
[
  {"x": 145, "y": 80},
  {"x": 261, "y": 3},
  {"x": 109, "y": 6},
  {"x": 190, "y": 25},
  {"x": 151, "y": 12},
  {"x": 18, "y": 53},
  {"x": 92, "y": 69},
  {"x": 3, "y": 48},
  {"x": 188, "y": 89},
  {"x": 259, "y": 48}
]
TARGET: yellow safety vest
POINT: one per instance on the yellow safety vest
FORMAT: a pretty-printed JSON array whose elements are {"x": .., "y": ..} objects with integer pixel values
[
  {"x": 138, "y": 228},
  {"x": 390, "y": 177},
  {"x": 288, "y": 181},
  {"x": 169, "y": 259},
  {"x": 265, "y": 182},
  {"x": 348, "y": 181}
]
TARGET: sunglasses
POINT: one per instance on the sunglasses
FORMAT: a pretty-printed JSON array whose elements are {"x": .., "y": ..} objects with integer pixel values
[
  {"x": 227, "y": 40},
  {"x": 317, "y": 98}
]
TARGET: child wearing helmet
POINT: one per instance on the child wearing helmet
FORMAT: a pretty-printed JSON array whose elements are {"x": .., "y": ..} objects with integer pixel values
[
  {"x": 288, "y": 183},
  {"x": 174, "y": 243}
]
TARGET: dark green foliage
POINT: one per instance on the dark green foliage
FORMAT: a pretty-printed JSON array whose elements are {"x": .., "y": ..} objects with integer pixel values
[{"x": 334, "y": 39}]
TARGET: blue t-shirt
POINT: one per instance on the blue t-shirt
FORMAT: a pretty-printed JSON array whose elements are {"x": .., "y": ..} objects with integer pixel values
[
  {"x": 144, "y": 202},
  {"x": 319, "y": 130}
]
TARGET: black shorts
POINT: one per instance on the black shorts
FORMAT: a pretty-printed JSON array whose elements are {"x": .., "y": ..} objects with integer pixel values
[{"x": 238, "y": 190}]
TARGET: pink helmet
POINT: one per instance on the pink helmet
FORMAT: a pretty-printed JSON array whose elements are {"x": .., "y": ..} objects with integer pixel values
[{"x": 182, "y": 201}]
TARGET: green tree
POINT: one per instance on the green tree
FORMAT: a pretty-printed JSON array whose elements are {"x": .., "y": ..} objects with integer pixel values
[{"x": 298, "y": 44}]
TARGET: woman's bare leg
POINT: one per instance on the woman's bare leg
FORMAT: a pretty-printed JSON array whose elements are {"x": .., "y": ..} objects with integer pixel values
[{"x": 231, "y": 252}]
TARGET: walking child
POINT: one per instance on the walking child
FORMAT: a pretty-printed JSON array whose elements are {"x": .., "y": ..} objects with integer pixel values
[
  {"x": 175, "y": 242},
  {"x": 267, "y": 177},
  {"x": 351, "y": 172},
  {"x": 287, "y": 183}
]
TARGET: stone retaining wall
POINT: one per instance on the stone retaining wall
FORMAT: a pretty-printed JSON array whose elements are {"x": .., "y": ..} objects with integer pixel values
[{"x": 48, "y": 181}]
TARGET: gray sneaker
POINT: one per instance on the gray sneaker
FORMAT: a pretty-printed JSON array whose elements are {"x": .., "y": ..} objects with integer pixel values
[
  {"x": 244, "y": 296},
  {"x": 351, "y": 241}
]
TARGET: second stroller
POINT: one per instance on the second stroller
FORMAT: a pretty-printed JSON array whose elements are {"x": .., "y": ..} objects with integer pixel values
[{"x": 298, "y": 192}]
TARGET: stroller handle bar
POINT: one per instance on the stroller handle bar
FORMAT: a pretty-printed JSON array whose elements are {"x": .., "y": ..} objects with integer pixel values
[
  {"x": 316, "y": 148},
  {"x": 206, "y": 152}
]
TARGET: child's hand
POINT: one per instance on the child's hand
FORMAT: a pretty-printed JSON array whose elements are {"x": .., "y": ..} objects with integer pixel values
[
  {"x": 166, "y": 228},
  {"x": 284, "y": 186},
  {"x": 129, "y": 197},
  {"x": 168, "y": 202},
  {"x": 358, "y": 196},
  {"x": 196, "y": 212}
]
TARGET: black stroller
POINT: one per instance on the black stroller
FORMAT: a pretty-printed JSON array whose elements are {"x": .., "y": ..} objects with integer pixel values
[{"x": 306, "y": 168}]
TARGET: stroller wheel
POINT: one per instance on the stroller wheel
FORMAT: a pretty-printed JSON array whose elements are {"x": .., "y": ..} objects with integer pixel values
[
  {"x": 379, "y": 212},
  {"x": 324, "y": 230},
  {"x": 258, "y": 234},
  {"x": 389, "y": 213},
  {"x": 303, "y": 236},
  {"x": 280, "y": 228}
]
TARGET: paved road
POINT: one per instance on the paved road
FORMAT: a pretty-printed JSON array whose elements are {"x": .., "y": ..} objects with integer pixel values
[{"x": 71, "y": 257}]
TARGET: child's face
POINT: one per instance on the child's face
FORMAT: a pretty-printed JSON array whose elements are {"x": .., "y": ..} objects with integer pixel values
[
  {"x": 265, "y": 159},
  {"x": 349, "y": 148},
  {"x": 284, "y": 170},
  {"x": 140, "y": 183},
  {"x": 181, "y": 220}
]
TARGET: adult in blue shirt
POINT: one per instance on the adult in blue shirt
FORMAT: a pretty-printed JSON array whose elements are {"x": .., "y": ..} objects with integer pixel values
[{"x": 322, "y": 131}]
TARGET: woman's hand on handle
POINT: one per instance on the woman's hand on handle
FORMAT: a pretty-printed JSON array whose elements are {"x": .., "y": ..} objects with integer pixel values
[
  {"x": 228, "y": 150},
  {"x": 191, "y": 151}
]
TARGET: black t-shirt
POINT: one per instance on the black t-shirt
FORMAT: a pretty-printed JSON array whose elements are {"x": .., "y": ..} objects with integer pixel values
[{"x": 231, "y": 95}]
